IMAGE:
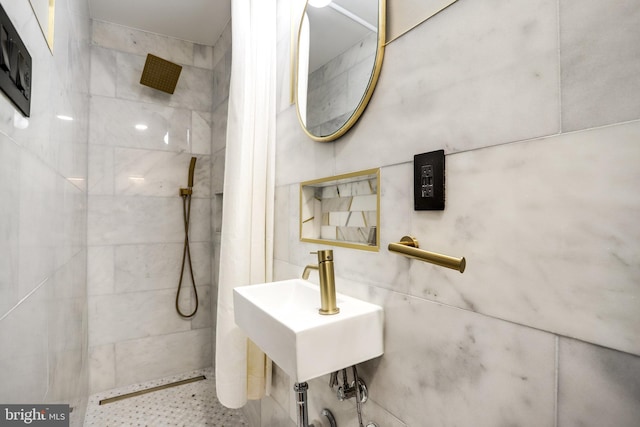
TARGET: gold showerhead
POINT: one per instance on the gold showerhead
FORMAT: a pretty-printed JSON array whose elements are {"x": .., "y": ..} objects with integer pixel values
[{"x": 160, "y": 74}]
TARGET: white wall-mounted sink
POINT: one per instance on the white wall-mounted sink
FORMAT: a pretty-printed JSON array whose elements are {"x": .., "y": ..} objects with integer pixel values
[{"x": 282, "y": 319}]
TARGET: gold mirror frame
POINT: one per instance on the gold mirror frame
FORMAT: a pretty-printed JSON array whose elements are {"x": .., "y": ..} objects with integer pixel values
[
  {"x": 381, "y": 42},
  {"x": 45, "y": 14},
  {"x": 354, "y": 199}
]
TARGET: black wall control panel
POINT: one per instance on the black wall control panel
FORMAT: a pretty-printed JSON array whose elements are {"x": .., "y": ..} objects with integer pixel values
[
  {"x": 15, "y": 65},
  {"x": 428, "y": 181}
]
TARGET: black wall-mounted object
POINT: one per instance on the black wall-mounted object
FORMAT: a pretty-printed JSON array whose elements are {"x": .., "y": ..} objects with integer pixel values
[
  {"x": 15, "y": 65},
  {"x": 428, "y": 181}
]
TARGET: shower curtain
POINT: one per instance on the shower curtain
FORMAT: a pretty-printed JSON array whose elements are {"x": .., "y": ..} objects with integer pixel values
[{"x": 247, "y": 219}]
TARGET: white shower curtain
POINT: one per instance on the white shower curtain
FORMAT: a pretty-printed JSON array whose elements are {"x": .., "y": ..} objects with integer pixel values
[{"x": 247, "y": 219}]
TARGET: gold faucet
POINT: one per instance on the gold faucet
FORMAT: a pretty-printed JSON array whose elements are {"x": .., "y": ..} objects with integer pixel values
[{"x": 327, "y": 281}]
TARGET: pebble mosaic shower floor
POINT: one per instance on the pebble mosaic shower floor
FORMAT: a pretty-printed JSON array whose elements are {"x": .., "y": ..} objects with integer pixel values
[{"x": 188, "y": 405}]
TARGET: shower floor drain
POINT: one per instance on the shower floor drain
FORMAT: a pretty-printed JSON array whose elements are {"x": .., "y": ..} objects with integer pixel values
[
  {"x": 192, "y": 404},
  {"x": 150, "y": 390}
]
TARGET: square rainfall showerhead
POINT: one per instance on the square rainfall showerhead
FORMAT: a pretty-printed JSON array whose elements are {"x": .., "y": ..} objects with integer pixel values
[{"x": 160, "y": 74}]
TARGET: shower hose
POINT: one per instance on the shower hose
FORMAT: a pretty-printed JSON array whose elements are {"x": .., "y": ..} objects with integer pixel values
[{"x": 186, "y": 252}]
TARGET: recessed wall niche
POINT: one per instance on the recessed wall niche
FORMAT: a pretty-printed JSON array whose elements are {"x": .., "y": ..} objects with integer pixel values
[{"x": 342, "y": 210}]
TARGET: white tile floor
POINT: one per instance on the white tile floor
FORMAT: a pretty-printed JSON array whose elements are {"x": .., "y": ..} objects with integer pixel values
[{"x": 188, "y": 405}]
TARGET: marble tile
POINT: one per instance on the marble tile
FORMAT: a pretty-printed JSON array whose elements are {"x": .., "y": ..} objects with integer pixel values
[
  {"x": 475, "y": 371},
  {"x": 158, "y": 173},
  {"x": 37, "y": 222},
  {"x": 72, "y": 163},
  {"x": 120, "y": 317},
  {"x": 564, "y": 260},
  {"x": 203, "y": 56},
  {"x": 155, "y": 357},
  {"x": 157, "y": 266},
  {"x": 101, "y": 170},
  {"x": 600, "y": 62},
  {"x": 69, "y": 282},
  {"x": 219, "y": 127},
  {"x": 491, "y": 79},
  {"x": 222, "y": 45},
  {"x": 71, "y": 235},
  {"x": 64, "y": 376},
  {"x": 203, "y": 317},
  {"x": 131, "y": 220},
  {"x": 281, "y": 388},
  {"x": 100, "y": 270},
  {"x": 283, "y": 270},
  {"x": 281, "y": 223},
  {"x": 193, "y": 91},
  {"x": 9, "y": 223},
  {"x": 201, "y": 132},
  {"x": 43, "y": 249},
  {"x": 103, "y": 71},
  {"x": 24, "y": 356},
  {"x": 597, "y": 386},
  {"x": 113, "y": 123},
  {"x": 295, "y": 150},
  {"x": 66, "y": 310},
  {"x": 273, "y": 415},
  {"x": 221, "y": 80},
  {"x": 251, "y": 411},
  {"x": 298, "y": 251},
  {"x": 216, "y": 214},
  {"x": 126, "y": 39},
  {"x": 396, "y": 205},
  {"x": 217, "y": 172},
  {"x": 103, "y": 368}
]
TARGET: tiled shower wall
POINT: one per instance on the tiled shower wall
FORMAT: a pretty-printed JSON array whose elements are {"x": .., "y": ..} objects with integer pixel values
[
  {"x": 43, "y": 207},
  {"x": 536, "y": 105},
  {"x": 135, "y": 223}
]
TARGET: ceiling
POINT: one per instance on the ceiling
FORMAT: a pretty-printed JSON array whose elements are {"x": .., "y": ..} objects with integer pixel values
[{"x": 198, "y": 21}]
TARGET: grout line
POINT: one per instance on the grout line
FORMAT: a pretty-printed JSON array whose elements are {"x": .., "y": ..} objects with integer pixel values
[{"x": 24, "y": 299}]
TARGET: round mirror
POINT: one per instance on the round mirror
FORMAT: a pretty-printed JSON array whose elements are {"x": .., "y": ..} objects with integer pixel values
[{"x": 340, "y": 50}]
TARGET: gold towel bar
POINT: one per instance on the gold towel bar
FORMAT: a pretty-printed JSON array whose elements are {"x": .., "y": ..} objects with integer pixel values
[{"x": 408, "y": 246}]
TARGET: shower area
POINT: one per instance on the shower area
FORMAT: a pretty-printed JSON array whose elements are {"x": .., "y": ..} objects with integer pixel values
[{"x": 155, "y": 167}]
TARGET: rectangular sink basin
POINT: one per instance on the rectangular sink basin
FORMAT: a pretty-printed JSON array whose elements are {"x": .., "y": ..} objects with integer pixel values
[{"x": 282, "y": 319}]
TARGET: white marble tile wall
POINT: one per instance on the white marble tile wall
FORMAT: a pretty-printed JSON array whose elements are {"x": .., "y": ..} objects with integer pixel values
[
  {"x": 135, "y": 218},
  {"x": 541, "y": 200},
  {"x": 597, "y": 386},
  {"x": 43, "y": 171}
]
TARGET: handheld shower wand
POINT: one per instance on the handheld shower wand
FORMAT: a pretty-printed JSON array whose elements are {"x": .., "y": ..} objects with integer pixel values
[
  {"x": 192, "y": 168},
  {"x": 186, "y": 193},
  {"x": 189, "y": 190}
]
